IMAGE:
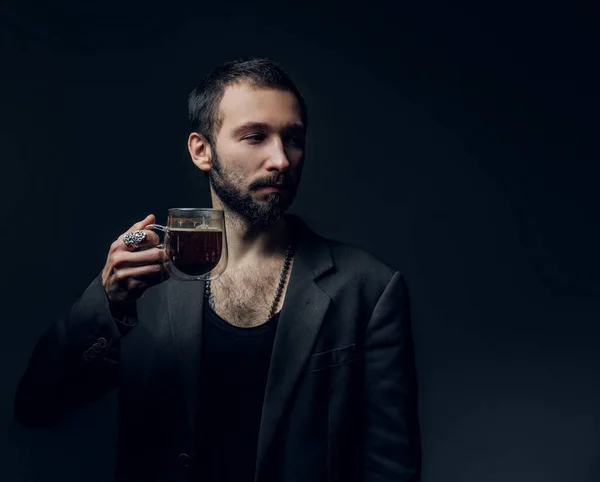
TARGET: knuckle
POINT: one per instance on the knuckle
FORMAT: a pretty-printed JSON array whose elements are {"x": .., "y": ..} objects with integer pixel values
[
  {"x": 133, "y": 285},
  {"x": 118, "y": 260},
  {"x": 153, "y": 269},
  {"x": 120, "y": 275},
  {"x": 137, "y": 287}
]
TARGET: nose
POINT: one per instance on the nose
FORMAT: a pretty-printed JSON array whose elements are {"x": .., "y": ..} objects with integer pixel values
[{"x": 278, "y": 158}]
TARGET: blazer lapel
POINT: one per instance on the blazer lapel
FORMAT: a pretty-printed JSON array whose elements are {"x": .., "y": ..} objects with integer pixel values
[
  {"x": 303, "y": 310},
  {"x": 186, "y": 303}
]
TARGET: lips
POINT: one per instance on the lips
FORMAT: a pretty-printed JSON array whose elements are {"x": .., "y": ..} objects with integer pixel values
[{"x": 271, "y": 188}]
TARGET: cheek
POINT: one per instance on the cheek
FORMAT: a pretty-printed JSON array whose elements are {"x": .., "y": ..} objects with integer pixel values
[
  {"x": 296, "y": 156},
  {"x": 246, "y": 157},
  {"x": 297, "y": 162},
  {"x": 296, "y": 152},
  {"x": 235, "y": 159}
]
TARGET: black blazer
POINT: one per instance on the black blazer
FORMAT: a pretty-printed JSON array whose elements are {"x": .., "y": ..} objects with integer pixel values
[{"x": 340, "y": 403}]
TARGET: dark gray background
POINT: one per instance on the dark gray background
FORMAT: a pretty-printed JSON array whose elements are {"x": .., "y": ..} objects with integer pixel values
[{"x": 457, "y": 144}]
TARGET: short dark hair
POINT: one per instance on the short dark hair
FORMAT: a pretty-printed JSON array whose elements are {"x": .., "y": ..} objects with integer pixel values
[{"x": 204, "y": 100}]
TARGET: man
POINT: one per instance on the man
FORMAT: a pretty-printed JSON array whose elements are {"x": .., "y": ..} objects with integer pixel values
[{"x": 295, "y": 365}]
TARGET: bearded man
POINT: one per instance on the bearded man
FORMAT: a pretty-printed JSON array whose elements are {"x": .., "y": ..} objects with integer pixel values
[{"x": 295, "y": 365}]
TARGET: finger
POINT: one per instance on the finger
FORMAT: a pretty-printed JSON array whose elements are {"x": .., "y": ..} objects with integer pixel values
[
  {"x": 139, "y": 258},
  {"x": 150, "y": 219},
  {"x": 146, "y": 273},
  {"x": 151, "y": 240}
]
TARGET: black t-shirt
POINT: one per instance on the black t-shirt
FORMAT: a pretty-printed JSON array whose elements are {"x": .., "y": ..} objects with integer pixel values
[{"x": 235, "y": 365}]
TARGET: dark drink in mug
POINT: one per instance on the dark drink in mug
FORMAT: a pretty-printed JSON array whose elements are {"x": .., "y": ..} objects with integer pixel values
[
  {"x": 195, "y": 243},
  {"x": 192, "y": 251}
]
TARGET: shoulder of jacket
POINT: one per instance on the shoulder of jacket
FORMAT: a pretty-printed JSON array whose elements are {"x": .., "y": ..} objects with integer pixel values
[{"x": 353, "y": 259}]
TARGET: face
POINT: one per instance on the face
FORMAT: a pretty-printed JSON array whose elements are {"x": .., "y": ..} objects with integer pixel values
[{"x": 258, "y": 153}]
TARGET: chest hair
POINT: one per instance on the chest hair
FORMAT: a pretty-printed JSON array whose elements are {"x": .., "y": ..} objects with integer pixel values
[{"x": 244, "y": 297}]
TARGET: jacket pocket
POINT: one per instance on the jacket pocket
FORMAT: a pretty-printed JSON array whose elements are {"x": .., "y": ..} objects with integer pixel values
[{"x": 331, "y": 358}]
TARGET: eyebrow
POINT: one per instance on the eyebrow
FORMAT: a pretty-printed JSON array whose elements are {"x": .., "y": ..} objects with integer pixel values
[{"x": 261, "y": 126}]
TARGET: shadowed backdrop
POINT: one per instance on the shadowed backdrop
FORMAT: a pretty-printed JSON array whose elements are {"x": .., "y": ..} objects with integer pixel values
[{"x": 458, "y": 145}]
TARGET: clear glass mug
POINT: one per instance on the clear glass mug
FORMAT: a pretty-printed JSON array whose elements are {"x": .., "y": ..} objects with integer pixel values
[{"x": 195, "y": 243}]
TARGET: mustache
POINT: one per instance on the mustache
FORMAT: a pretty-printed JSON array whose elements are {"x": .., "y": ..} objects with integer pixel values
[{"x": 283, "y": 180}]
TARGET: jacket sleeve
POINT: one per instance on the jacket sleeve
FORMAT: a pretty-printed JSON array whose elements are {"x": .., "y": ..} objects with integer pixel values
[
  {"x": 392, "y": 448},
  {"x": 74, "y": 362}
]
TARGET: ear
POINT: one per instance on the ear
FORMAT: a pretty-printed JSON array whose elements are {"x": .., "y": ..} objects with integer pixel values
[{"x": 200, "y": 151}]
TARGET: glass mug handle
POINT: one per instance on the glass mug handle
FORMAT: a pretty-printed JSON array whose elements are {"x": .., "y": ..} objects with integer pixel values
[{"x": 159, "y": 228}]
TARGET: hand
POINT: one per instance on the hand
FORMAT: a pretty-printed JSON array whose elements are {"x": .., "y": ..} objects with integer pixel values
[{"x": 128, "y": 271}]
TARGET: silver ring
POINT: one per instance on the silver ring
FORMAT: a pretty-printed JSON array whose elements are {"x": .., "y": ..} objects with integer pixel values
[{"x": 134, "y": 238}]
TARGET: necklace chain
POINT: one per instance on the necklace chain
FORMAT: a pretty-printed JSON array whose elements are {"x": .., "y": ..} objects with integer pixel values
[{"x": 289, "y": 253}]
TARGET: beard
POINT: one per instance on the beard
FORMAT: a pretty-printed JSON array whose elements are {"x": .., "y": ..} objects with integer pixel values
[{"x": 229, "y": 186}]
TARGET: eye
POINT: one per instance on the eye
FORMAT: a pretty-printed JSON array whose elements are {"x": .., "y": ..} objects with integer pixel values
[
  {"x": 255, "y": 138},
  {"x": 297, "y": 141}
]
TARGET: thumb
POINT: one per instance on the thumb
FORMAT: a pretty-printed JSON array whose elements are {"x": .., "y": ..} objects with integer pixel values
[{"x": 150, "y": 219}]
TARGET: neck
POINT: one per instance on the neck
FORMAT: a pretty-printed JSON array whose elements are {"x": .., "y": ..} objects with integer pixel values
[{"x": 249, "y": 244}]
